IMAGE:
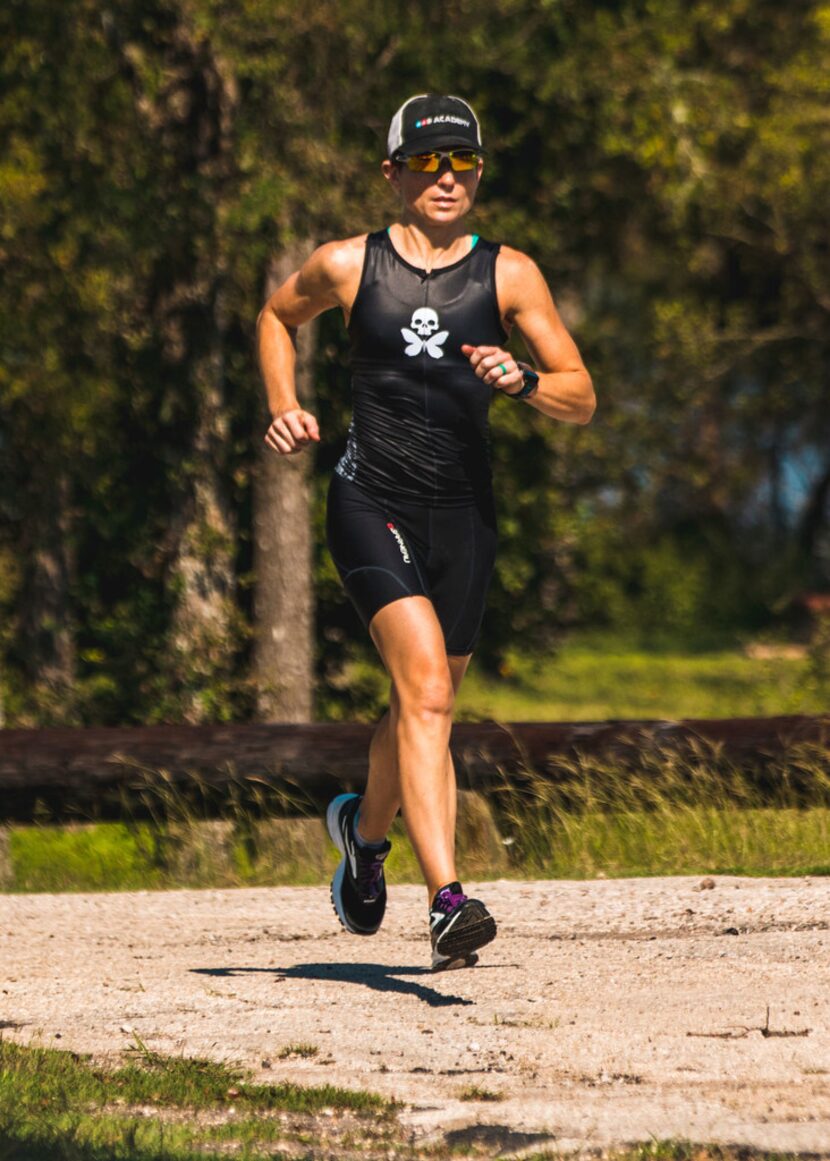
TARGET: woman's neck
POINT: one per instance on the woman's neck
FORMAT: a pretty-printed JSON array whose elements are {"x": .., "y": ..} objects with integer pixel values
[{"x": 430, "y": 246}]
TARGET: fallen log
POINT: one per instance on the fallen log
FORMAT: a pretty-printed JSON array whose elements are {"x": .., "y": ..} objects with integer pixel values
[{"x": 92, "y": 770}]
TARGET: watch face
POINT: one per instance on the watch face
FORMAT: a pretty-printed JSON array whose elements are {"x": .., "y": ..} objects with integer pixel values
[{"x": 530, "y": 381}]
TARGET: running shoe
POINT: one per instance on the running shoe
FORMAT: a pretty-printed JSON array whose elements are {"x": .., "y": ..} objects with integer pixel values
[
  {"x": 358, "y": 889},
  {"x": 458, "y": 927}
]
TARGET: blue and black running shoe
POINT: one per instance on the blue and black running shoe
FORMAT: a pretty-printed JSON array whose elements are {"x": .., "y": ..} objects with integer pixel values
[
  {"x": 358, "y": 889},
  {"x": 458, "y": 927}
]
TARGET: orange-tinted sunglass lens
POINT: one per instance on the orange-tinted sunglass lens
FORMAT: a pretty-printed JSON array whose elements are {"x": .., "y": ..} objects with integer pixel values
[
  {"x": 423, "y": 162},
  {"x": 461, "y": 161}
]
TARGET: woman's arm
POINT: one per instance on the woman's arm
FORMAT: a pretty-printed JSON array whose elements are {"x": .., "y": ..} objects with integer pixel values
[
  {"x": 565, "y": 390},
  {"x": 329, "y": 278}
]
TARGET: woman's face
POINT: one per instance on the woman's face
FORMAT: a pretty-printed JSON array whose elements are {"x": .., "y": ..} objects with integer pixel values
[{"x": 439, "y": 198}]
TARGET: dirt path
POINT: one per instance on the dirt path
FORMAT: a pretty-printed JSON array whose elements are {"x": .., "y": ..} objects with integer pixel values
[{"x": 606, "y": 1012}]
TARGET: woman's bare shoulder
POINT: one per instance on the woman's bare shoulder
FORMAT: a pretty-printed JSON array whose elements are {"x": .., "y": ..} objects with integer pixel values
[
  {"x": 515, "y": 263},
  {"x": 340, "y": 260},
  {"x": 332, "y": 273},
  {"x": 519, "y": 283}
]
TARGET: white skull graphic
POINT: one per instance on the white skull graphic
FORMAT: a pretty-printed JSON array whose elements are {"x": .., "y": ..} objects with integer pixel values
[
  {"x": 424, "y": 335},
  {"x": 424, "y": 322}
]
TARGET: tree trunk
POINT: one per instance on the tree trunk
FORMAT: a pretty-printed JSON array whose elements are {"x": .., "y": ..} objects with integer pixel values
[
  {"x": 200, "y": 105},
  {"x": 48, "y": 635},
  {"x": 283, "y": 557},
  {"x": 204, "y": 637}
]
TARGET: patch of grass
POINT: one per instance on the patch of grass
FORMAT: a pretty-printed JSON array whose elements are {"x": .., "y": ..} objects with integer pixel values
[
  {"x": 670, "y": 811},
  {"x": 534, "y": 1022},
  {"x": 596, "y": 680},
  {"x": 691, "y": 841},
  {"x": 684, "y": 1151},
  {"x": 474, "y": 1093},
  {"x": 650, "y": 810},
  {"x": 685, "y": 841},
  {"x": 60, "y": 1105},
  {"x": 112, "y": 856},
  {"x": 103, "y": 857},
  {"x": 653, "y": 812},
  {"x": 303, "y": 1050},
  {"x": 64, "y": 1079}
]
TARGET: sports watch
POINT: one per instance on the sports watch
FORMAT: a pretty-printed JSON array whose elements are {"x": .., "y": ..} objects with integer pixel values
[{"x": 530, "y": 381}]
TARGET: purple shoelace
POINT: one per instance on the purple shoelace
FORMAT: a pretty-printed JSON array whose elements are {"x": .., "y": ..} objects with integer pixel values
[
  {"x": 448, "y": 898},
  {"x": 370, "y": 872}
]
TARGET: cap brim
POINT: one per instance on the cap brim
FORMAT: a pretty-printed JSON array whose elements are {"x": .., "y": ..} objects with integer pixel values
[{"x": 440, "y": 141}]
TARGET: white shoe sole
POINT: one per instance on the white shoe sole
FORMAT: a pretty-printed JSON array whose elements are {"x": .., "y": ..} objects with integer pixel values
[
  {"x": 446, "y": 963},
  {"x": 336, "y": 836},
  {"x": 333, "y": 819}
]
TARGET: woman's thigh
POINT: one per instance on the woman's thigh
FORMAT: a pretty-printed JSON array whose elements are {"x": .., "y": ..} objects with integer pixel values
[
  {"x": 410, "y": 640},
  {"x": 377, "y": 565}
]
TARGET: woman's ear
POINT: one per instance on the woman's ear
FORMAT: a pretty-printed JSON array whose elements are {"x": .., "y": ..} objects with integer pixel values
[{"x": 391, "y": 171}]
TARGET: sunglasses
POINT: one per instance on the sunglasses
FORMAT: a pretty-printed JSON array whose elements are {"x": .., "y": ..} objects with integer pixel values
[{"x": 461, "y": 161}]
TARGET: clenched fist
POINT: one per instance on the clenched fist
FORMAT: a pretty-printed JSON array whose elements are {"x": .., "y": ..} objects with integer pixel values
[
  {"x": 495, "y": 366},
  {"x": 291, "y": 431}
]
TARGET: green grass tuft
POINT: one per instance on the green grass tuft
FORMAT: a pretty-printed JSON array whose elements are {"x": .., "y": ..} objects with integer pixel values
[
  {"x": 108, "y": 857},
  {"x": 64, "y": 1079},
  {"x": 60, "y": 1105},
  {"x": 677, "y": 1151},
  {"x": 474, "y": 1093},
  {"x": 669, "y": 811},
  {"x": 303, "y": 1050}
]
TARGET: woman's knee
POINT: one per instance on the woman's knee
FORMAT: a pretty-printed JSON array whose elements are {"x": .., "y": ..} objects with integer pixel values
[{"x": 428, "y": 693}]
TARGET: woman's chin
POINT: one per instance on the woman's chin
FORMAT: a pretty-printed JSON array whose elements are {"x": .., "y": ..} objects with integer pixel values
[{"x": 444, "y": 215}]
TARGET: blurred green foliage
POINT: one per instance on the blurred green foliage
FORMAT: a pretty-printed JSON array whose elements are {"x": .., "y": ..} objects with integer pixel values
[{"x": 667, "y": 165}]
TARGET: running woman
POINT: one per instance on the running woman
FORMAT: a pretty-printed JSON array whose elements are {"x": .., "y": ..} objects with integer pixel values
[{"x": 411, "y": 524}]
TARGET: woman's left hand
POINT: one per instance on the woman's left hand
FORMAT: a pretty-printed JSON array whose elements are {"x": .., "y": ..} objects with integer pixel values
[{"x": 495, "y": 366}]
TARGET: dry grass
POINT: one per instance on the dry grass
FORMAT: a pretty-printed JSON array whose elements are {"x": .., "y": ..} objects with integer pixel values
[
  {"x": 659, "y": 810},
  {"x": 650, "y": 809}
]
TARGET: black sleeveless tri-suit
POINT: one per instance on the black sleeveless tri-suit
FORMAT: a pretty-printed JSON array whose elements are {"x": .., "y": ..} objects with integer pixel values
[{"x": 410, "y": 505}]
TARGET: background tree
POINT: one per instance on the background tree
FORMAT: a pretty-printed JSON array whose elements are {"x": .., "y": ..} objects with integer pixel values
[
  {"x": 283, "y": 550},
  {"x": 666, "y": 165}
]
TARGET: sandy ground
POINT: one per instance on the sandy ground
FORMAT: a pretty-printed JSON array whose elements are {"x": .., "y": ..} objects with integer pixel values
[{"x": 606, "y": 1012}]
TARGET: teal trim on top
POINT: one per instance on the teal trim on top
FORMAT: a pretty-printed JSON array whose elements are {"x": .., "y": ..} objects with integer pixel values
[{"x": 473, "y": 244}]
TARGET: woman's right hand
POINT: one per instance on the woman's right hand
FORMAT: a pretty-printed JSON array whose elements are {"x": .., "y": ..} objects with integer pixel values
[{"x": 291, "y": 430}]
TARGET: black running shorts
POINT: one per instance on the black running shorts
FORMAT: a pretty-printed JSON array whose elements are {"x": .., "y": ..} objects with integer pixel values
[{"x": 385, "y": 550}]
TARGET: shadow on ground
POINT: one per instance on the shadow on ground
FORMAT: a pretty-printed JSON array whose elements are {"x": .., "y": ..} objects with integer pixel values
[
  {"x": 498, "y": 1137},
  {"x": 380, "y": 977}
]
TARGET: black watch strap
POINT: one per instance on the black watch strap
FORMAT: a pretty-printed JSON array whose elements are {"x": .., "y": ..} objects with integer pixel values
[{"x": 530, "y": 381}]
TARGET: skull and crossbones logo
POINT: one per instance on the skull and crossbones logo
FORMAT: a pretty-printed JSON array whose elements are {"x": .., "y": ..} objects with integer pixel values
[{"x": 422, "y": 335}]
